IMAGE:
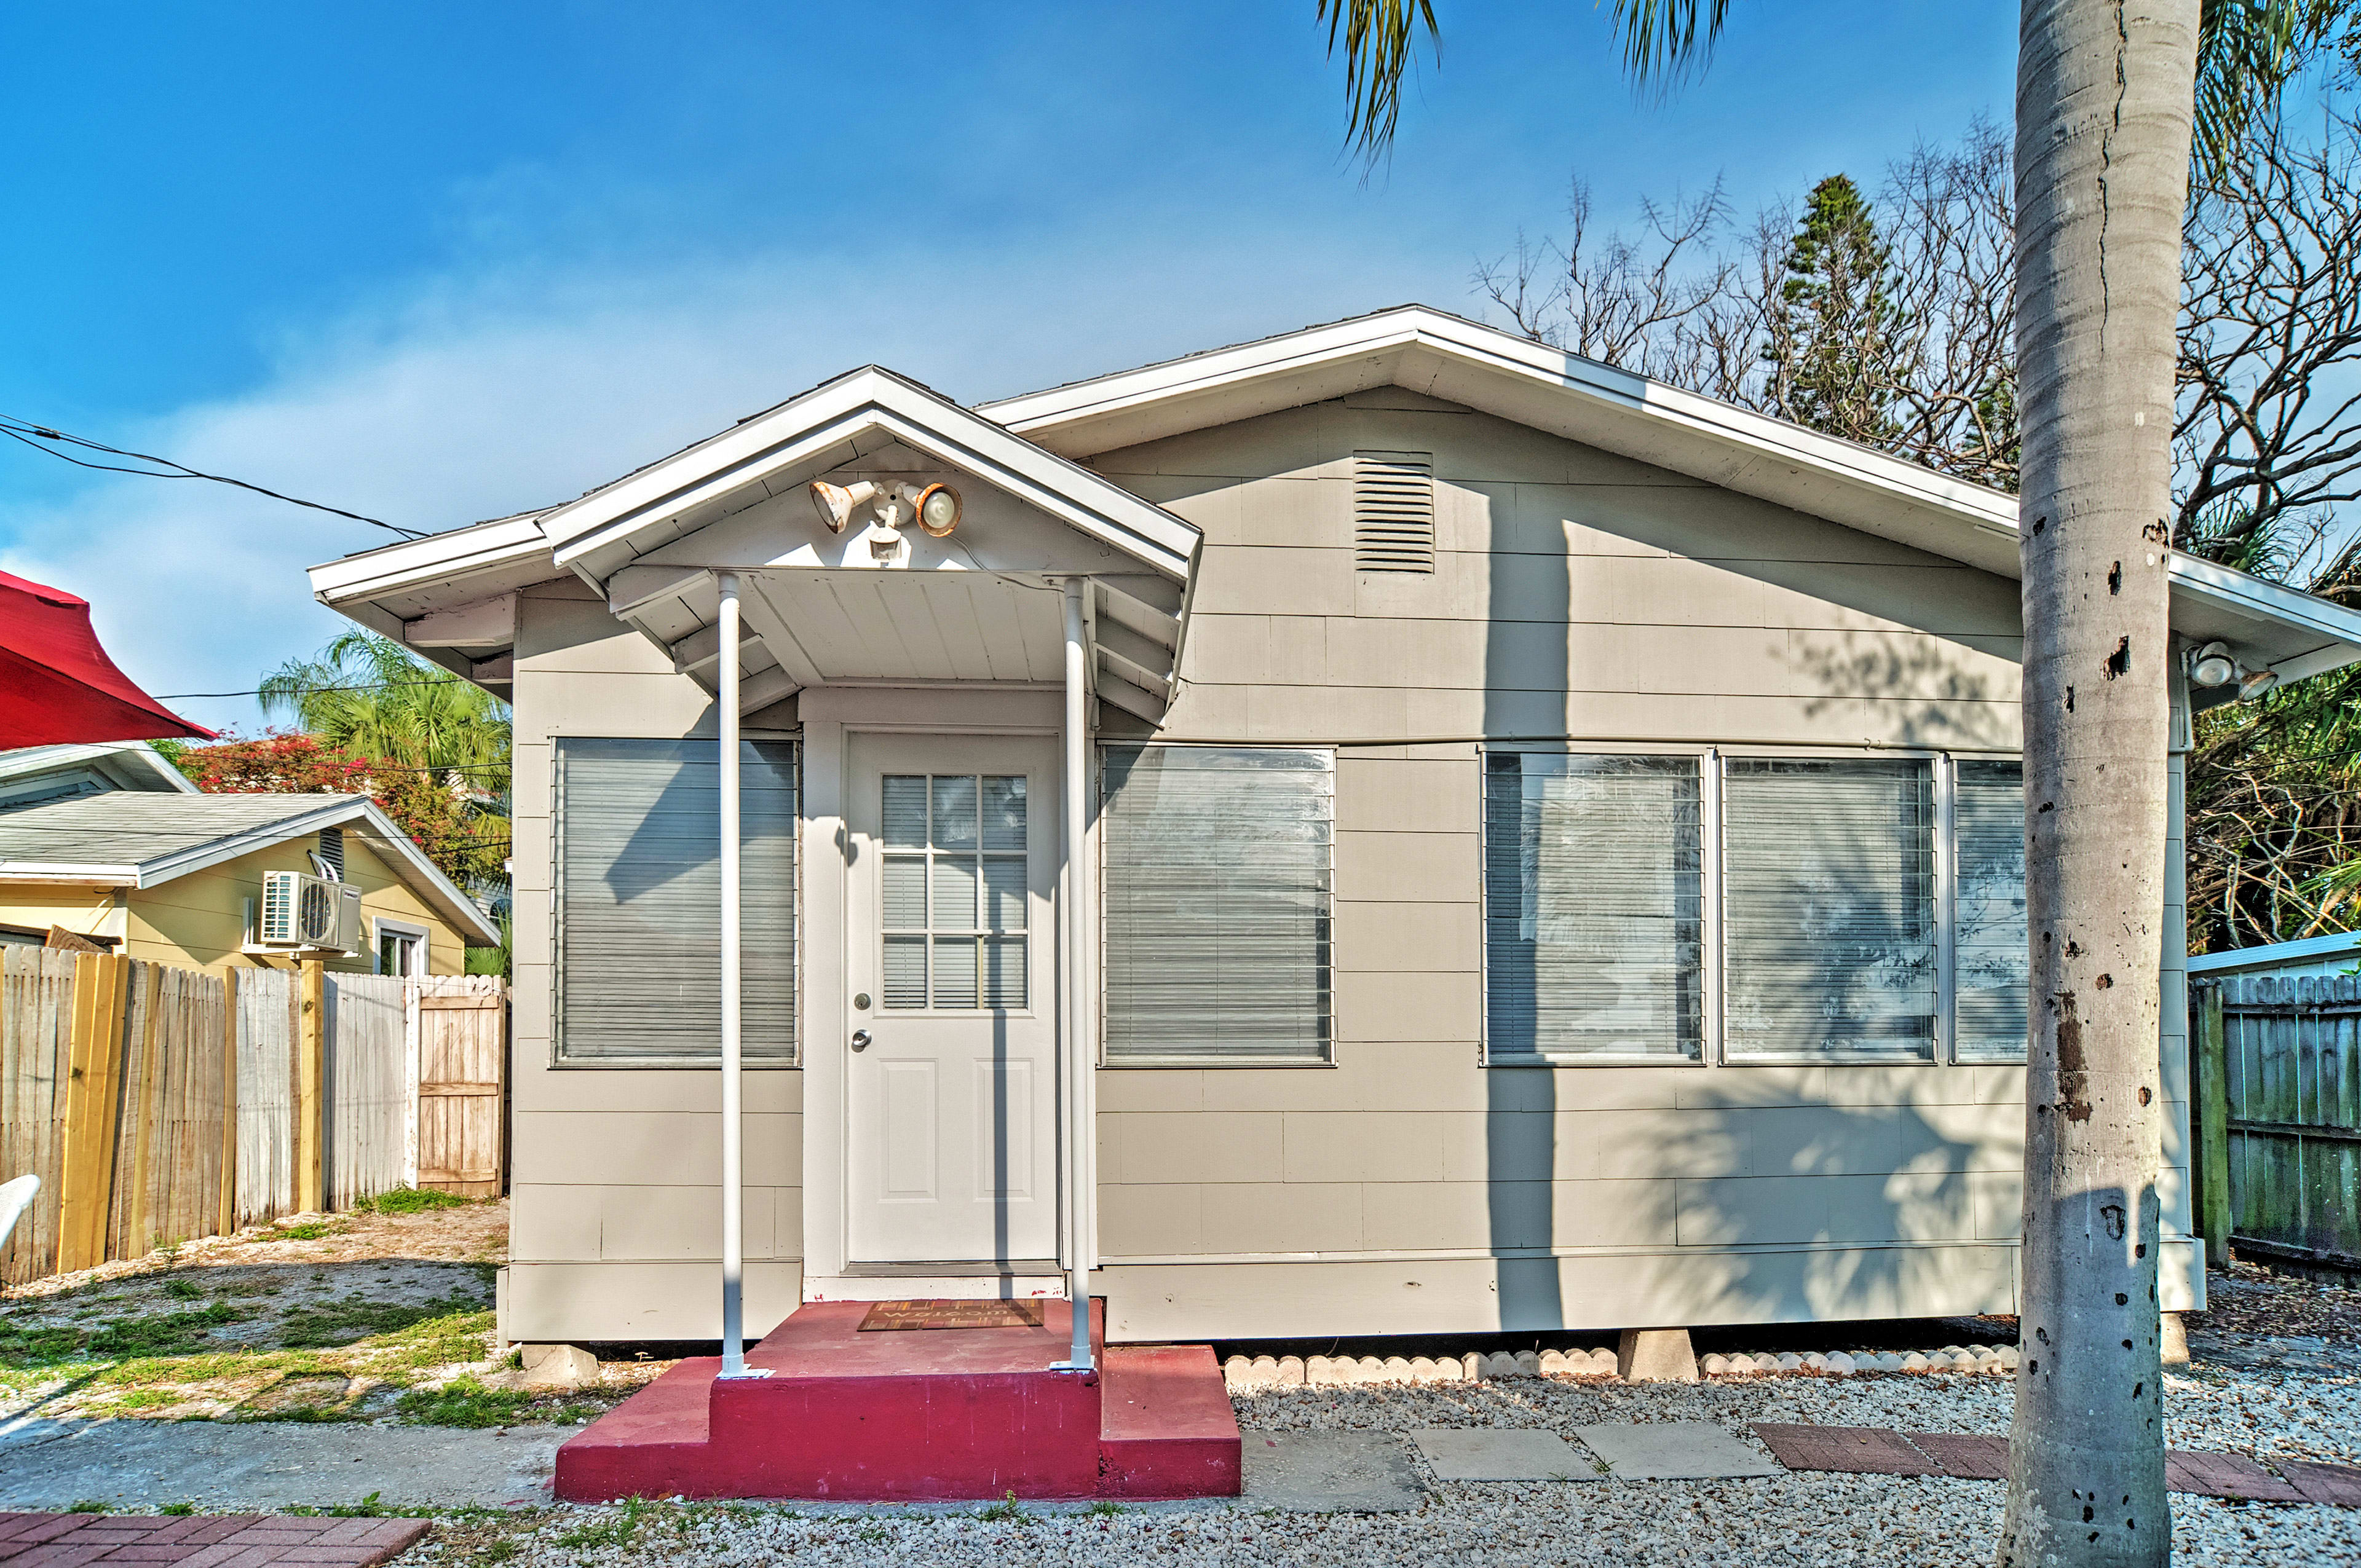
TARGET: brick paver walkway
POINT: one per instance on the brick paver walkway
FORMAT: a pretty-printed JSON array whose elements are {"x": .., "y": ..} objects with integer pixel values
[
  {"x": 201, "y": 1540},
  {"x": 1875, "y": 1451}
]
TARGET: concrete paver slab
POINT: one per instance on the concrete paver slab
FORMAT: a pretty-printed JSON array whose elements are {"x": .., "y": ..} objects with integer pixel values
[
  {"x": 1673, "y": 1450},
  {"x": 272, "y": 1464},
  {"x": 1502, "y": 1453},
  {"x": 202, "y": 1540},
  {"x": 1330, "y": 1472},
  {"x": 2225, "y": 1476}
]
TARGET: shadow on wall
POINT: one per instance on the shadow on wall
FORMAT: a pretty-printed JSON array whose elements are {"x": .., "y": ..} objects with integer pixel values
[
  {"x": 1945, "y": 700},
  {"x": 1767, "y": 1193}
]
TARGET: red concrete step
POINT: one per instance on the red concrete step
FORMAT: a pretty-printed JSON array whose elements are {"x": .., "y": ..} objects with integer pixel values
[
  {"x": 1166, "y": 1429},
  {"x": 916, "y": 1415}
]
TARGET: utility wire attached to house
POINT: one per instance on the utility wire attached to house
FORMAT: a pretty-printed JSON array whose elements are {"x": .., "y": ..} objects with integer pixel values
[{"x": 33, "y": 435}]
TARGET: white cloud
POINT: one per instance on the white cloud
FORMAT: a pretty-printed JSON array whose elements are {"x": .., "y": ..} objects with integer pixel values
[{"x": 465, "y": 398}]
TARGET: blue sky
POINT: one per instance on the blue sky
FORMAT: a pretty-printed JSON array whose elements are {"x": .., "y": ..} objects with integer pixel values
[{"x": 439, "y": 262}]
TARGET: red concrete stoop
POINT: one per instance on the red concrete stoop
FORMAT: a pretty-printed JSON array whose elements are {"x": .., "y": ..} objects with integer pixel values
[{"x": 934, "y": 1415}]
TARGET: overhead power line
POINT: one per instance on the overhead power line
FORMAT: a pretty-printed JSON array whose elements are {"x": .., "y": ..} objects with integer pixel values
[
  {"x": 307, "y": 691},
  {"x": 33, "y": 435}
]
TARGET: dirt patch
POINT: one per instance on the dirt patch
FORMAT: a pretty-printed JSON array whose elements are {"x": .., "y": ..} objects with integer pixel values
[
  {"x": 338, "y": 1317},
  {"x": 2251, "y": 1300}
]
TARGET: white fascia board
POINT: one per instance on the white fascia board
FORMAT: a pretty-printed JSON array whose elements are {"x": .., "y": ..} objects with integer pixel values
[
  {"x": 66, "y": 873},
  {"x": 421, "y": 563},
  {"x": 2338, "y": 629},
  {"x": 838, "y": 413}
]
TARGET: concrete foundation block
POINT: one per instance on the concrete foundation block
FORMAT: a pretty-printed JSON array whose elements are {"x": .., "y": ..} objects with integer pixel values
[
  {"x": 1655, "y": 1355},
  {"x": 2175, "y": 1341},
  {"x": 556, "y": 1367}
]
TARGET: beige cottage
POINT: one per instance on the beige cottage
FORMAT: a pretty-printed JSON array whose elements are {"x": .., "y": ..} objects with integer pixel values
[{"x": 1546, "y": 853}]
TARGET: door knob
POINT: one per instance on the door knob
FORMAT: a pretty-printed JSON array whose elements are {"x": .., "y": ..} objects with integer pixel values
[{"x": 860, "y": 1039}]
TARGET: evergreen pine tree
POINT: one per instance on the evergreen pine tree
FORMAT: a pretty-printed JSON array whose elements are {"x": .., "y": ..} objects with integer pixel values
[{"x": 1832, "y": 330}]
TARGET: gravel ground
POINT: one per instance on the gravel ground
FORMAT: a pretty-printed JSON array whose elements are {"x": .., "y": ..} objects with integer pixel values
[{"x": 1817, "y": 1519}]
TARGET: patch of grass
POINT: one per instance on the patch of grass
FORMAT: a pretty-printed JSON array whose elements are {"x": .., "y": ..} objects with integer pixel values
[
  {"x": 1009, "y": 1511},
  {"x": 1105, "y": 1509},
  {"x": 168, "y": 1334},
  {"x": 177, "y": 1509},
  {"x": 309, "y": 1231},
  {"x": 248, "y": 1288},
  {"x": 335, "y": 1323},
  {"x": 499, "y": 1551},
  {"x": 875, "y": 1534},
  {"x": 411, "y": 1200},
  {"x": 184, "y": 1289},
  {"x": 147, "y": 1400},
  {"x": 88, "y": 1505},
  {"x": 33, "y": 1344},
  {"x": 367, "y": 1509},
  {"x": 463, "y": 1403}
]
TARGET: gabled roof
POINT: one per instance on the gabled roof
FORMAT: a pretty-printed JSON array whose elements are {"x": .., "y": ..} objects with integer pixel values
[
  {"x": 1516, "y": 378},
  {"x": 125, "y": 764},
  {"x": 128, "y": 839},
  {"x": 834, "y": 423}
]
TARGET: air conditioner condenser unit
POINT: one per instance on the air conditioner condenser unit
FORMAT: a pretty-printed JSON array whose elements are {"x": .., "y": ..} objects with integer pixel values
[{"x": 304, "y": 911}]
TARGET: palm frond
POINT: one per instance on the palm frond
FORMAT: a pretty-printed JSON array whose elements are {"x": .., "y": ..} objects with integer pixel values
[
  {"x": 1665, "y": 41},
  {"x": 2248, "y": 52},
  {"x": 1379, "y": 38}
]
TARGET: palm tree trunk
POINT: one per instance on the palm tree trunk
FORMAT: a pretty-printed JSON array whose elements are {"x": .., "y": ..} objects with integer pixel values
[{"x": 2102, "y": 137}]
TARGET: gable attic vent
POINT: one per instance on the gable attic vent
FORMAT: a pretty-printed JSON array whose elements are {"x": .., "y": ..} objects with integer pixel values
[{"x": 1394, "y": 511}]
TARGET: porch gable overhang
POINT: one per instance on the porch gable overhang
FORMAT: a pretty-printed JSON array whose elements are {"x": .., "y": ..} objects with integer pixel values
[{"x": 819, "y": 610}]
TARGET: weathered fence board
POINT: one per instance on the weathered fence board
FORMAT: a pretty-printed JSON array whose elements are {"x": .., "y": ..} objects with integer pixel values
[
  {"x": 461, "y": 1078},
  {"x": 36, "y": 1032},
  {"x": 2291, "y": 1074},
  {"x": 368, "y": 1093},
  {"x": 160, "y": 1104},
  {"x": 266, "y": 1095}
]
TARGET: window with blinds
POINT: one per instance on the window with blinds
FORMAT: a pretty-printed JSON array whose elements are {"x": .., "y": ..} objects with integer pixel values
[
  {"x": 1991, "y": 957},
  {"x": 639, "y": 901},
  {"x": 1394, "y": 511},
  {"x": 1594, "y": 907},
  {"x": 1215, "y": 865},
  {"x": 1829, "y": 905}
]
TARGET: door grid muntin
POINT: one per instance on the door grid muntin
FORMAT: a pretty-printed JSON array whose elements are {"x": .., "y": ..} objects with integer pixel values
[{"x": 953, "y": 885}]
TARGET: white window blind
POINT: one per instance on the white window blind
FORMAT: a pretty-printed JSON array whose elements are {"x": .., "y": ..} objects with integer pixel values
[
  {"x": 639, "y": 901},
  {"x": 1988, "y": 815},
  {"x": 1216, "y": 871},
  {"x": 1594, "y": 907},
  {"x": 1829, "y": 901}
]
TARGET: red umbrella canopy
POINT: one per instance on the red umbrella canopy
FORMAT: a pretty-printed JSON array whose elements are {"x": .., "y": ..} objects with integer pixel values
[{"x": 57, "y": 684}]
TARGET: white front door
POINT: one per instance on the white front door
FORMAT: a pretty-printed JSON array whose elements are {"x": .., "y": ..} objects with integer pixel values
[{"x": 951, "y": 966}]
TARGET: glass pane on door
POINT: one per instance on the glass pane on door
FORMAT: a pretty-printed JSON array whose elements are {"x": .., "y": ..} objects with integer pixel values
[{"x": 952, "y": 904}]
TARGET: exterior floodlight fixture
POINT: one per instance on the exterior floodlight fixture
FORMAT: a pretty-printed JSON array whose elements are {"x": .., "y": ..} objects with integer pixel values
[
  {"x": 2254, "y": 682},
  {"x": 836, "y": 503},
  {"x": 2211, "y": 666},
  {"x": 939, "y": 509}
]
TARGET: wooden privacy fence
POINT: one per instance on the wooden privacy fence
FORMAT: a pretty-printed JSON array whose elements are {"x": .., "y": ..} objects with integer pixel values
[
  {"x": 159, "y": 1105},
  {"x": 2278, "y": 1118}
]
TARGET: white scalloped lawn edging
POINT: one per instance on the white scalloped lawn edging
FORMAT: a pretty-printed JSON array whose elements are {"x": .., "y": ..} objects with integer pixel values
[{"x": 1260, "y": 1374}]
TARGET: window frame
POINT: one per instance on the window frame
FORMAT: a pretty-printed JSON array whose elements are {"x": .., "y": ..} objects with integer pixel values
[
  {"x": 381, "y": 927},
  {"x": 557, "y": 1059},
  {"x": 1096, "y": 828},
  {"x": 1711, "y": 759},
  {"x": 1709, "y": 894}
]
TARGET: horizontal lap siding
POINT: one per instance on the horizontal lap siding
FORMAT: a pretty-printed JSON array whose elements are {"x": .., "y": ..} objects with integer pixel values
[
  {"x": 1575, "y": 594},
  {"x": 616, "y": 1196}
]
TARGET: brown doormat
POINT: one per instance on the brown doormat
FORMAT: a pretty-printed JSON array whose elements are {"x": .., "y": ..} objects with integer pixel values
[
  {"x": 1852, "y": 1450},
  {"x": 889, "y": 1315}
]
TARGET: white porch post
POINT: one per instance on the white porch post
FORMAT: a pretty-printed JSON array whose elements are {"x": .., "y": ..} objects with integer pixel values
[
  {"x": 733, "y": 1154},
  {"x": 1076, "y": 1010}
]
